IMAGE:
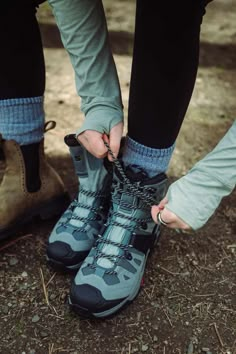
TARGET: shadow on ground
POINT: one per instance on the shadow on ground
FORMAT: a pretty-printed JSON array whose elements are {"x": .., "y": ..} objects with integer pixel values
[{"x": 211, "y": 54}]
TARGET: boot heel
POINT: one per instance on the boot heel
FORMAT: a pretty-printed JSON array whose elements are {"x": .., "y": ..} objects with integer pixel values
[{"x": 55, "y": 207}]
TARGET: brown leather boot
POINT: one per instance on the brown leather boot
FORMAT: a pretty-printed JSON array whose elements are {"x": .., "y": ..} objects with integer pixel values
[{"x": 30, "y": 187}]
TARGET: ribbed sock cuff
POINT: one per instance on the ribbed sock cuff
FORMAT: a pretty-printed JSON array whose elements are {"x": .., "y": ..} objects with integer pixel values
[
  {"x": 22, "y": 119},
  {"x": 153, "y": 161}
]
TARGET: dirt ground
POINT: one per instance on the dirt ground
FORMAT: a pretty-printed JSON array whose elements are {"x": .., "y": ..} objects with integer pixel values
[{"x": 187, "y": 304}]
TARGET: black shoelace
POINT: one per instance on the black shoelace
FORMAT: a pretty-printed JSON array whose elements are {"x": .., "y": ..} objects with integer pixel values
[
  {"x": 137, "y": 190},
  {"x": 145, "y": 194}
]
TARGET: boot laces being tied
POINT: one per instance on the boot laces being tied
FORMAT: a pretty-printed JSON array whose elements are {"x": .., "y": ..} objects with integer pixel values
[
  {"x": 111, "y": 275},
  {"x": 134, "y": 189}
]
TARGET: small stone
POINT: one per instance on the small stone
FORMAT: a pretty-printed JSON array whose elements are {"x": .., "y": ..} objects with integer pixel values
[
  {"x": 155, "y": 339},
  {"x": 32, "y": 351},
  {"x": 52, "y": 296},
  {"x": 5, "y": 310},
  {"x": 13, "y": 261},
  {"x": 190, "y": 348},
  {"x": 144, "y": 347},
  {"x": 24, "y": 286},
  {"x": 24, "y": 274},
  {"x": 43, "y": 334},
  {"x": 35, "y": 318},
  {"x": 194, "y": 262}
]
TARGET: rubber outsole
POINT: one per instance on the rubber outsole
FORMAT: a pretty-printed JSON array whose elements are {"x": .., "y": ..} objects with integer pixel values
[
  {"x": 61, "y": 267},
  {"x": 82, "y": 312}
]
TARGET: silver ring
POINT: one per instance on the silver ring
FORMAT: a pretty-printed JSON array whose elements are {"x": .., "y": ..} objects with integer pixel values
[{"x": 159, "y": 218}]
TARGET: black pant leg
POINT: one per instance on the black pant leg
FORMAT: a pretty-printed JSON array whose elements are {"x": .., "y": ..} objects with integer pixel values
[
  {"x": 22, "y": 68},
  {"x": 164, "y": 69}
]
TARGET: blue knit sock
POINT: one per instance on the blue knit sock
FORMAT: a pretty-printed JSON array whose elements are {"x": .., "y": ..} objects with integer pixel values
[
  {"x": 22, "y": 119},
  {"x": 152, "y": 161}
]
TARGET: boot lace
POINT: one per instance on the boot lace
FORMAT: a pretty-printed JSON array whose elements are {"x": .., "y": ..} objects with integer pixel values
[
  {"x": 95, "y": 211},
  {"x": 134, "y": 189}
]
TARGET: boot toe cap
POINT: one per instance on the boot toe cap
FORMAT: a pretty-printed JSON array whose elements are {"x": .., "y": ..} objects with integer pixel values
[
  {"x": 61, "y": 252},
  {"x": 87, "y": 299}
]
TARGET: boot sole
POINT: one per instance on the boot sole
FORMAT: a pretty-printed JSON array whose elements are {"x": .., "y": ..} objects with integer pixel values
[
  {"x": 45, "y": 211},
  {"x": 61, "y": 267}
]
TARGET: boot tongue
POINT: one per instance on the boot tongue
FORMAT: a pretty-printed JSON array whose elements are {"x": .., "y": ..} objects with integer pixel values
[
  {"x": 117, "y": 234},
  {"x": 135, "y": 173},
  {"x": 81, "y": 211}
]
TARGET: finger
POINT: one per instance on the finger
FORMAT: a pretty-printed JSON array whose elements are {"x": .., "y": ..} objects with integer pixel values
[
  {"x": 110, "y": 154},
  {"x": 114, "y": 139},
  {"x": 157, "y": 208},
  {"x": 93, "y": 142},
  {"x": 173, "y": 221},
  {"x": 169, "y": 217},
  {"x": 154, "y": 212}
]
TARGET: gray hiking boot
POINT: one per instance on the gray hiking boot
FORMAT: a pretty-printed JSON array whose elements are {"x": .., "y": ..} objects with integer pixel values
[
  {"x": 111, "y": 275},
  {"x": 73, "y": 235}
]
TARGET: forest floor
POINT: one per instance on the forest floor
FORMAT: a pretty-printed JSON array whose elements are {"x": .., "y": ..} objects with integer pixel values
[{"x": 187, "y": 304}]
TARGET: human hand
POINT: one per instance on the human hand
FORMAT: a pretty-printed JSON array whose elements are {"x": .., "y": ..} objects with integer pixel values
[
  {"x": 93, "y": 141},
  {"x": 168, "y": 217}
]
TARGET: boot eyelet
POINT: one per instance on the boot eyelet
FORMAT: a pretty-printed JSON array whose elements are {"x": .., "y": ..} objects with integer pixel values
[
  {"x": 144, "y": 225},
  {"x": 128, "y": 256},
  {"x": 151, "y": 190}
]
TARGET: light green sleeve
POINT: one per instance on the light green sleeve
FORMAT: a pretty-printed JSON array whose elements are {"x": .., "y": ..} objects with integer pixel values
[
  {"x": 83, "y": 29},
  {"x": 195, "y": 197}
]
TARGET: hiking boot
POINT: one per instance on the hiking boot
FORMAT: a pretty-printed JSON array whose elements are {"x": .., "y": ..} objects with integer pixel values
[
  {"x": 74, "y": 234},
  {"x": 30, "y": 187},
  {"x": 111, "y": 275}
]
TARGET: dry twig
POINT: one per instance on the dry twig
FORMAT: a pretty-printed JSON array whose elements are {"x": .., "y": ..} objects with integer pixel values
[
  {"x": 218, "y": 335},
  {"x": 168, "y": 318},
  {"x": 44, "y": 287}
]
